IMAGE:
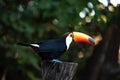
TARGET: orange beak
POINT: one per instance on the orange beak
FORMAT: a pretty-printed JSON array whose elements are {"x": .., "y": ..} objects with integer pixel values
[{"x": 83, "y": 38}]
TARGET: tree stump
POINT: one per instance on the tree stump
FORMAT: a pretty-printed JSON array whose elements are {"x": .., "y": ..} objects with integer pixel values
[{"x": 58, "y": 71}]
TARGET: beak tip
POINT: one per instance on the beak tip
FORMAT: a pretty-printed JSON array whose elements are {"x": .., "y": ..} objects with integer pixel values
[{"x": 91, "y": 41}]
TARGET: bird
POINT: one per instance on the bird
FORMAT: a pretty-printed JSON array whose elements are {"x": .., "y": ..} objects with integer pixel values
[{"x": 52, "y": 49}]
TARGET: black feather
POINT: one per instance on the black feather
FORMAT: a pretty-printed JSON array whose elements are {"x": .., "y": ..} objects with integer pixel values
[
  {"x": 49, "y": 49},
  {"x": 23, "y": 44}
]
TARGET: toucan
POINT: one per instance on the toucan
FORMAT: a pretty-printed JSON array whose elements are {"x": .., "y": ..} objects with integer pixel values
[{"x": 54, "y": 48}]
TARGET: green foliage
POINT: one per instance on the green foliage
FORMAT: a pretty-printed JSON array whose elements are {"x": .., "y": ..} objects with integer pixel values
[{"x": 35, "y": 20}]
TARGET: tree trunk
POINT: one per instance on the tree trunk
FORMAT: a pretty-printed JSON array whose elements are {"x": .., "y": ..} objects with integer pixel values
[
  {"x": 103, "y": 65},
  {"x": 58, "y": 71}
]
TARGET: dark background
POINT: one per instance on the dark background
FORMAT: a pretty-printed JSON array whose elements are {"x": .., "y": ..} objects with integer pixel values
[{"x": 35, "y": 20}]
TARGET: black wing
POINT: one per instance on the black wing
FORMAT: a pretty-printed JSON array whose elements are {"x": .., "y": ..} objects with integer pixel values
[
  {"x": 51, "y": 49},
  {"x": 52, "y": 46}
]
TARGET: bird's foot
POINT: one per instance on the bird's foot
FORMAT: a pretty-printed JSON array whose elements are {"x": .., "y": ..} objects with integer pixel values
[{"x": 56, "y": 61}]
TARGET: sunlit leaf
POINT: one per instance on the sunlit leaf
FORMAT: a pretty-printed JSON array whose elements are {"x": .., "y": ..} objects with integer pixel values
[{"x": 104, "y": 18}]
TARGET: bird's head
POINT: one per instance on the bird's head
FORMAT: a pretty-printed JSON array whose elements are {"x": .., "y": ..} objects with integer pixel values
[{"x": 79, "y": 37}]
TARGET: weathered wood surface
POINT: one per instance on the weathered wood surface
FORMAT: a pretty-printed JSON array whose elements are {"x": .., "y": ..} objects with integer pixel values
[{"x": 58, "y": 71}]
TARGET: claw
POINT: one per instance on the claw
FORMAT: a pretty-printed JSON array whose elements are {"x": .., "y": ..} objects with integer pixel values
[{"x": 56, "y": 61}]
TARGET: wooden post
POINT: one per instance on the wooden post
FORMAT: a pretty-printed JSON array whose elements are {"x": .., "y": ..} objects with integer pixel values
[{"x": 58, "y": 71}]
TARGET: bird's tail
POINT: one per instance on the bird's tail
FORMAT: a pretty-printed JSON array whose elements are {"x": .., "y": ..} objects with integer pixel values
[{"x": 24, "y": 44}]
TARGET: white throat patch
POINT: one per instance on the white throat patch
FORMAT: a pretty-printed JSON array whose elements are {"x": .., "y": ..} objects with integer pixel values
[
  {"x": 35, "y": 45},
  {"x": 68, "y": 41}
]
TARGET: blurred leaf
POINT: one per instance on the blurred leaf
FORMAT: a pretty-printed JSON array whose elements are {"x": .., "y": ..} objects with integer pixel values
[{"x": 103, "y": 17}]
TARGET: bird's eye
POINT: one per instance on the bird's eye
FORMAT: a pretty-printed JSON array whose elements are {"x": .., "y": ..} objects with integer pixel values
[{"x": 71, "y": 35}]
